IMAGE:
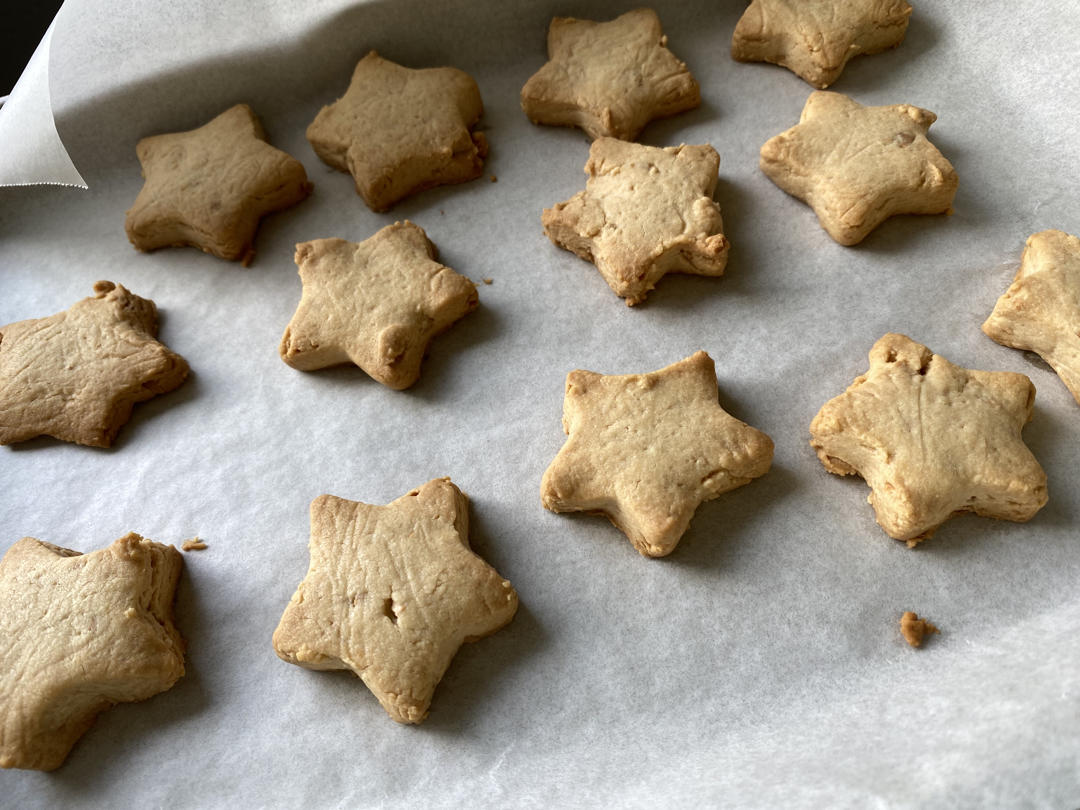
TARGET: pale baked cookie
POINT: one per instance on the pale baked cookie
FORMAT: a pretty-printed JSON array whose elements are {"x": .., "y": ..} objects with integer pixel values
[
  {"x": 609, "y": 78},
  {"x": 915, "y": 630},
  {"x": 857, "y": 166},
  {"x": 391, "y": 593},
  {"x": 79, "y": 633},
  {"x": 645, "y": 449},
  {"x": 76, "y": 374},
  {"x": 932, "y": 440},
  {"x": 375, "y": 303},
  {"x": 209, "y": 187},
  {"x": 399, "y": 131},
  {"x": 814, "y": 39},
  {"x": 1040, "y": 312},
  {"x": 645, "y": 211}
]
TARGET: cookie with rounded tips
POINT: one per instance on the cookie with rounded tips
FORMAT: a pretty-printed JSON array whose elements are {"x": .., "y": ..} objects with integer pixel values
[
  {"x": 398, "y": 131},
  {"x": 375, "y": 303},
  {"x": 645, "y": 450},
  {"x": 814, "y": 39},
  {"x": 78, "y": 634},
  {"x": 1040, "y": 312},
  {"x": 609, "y": 78},
  {"x": 209, "y": 187},
  {"x": 391, "y": 593},
  {"x": 857, "y": 166},
  {"x": 932, "y": 440},
  {"x": 645, "y": 211},
  {"x": 75, "y": 375}
]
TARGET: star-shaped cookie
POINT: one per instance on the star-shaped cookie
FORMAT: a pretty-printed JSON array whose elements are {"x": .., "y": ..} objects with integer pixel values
[
  {"x": 399, "y": 131},
  {"x": 814, "y": 39},
  {"x": 79, "y": 633},
  {"x": 376, "y": 303},
  {"x": 1040, "y": 311},
  {"x": 645, "y": 449},
  {"x": 209, "y": 187},
  {"x": 76, "y": 374},
  {"x": 645, "y": 212},
  {"x": 391, "y": 593},
  {"x": 857, "y": 166},
  {"x": 932, "y": 440},
  {"x": 609, "y": 78}
]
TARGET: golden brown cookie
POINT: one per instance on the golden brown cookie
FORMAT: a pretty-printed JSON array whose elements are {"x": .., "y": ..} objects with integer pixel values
[
  {"x": 645, "y": 212},
  {"x": 391, "y": 593},
  {"x": 609, "y": 78},
  {"x": 932, "y": 440},
  {"x": 857, "y": 166},
  {"x": 209, "y": 187},
  {"x": 915, "y": 630},
  {"x": 399, "y": 131},
  {"x": 375, "y": 303},
  {"x": 1040, "y": 312},
  {"x": 76, "y": 374},
  {"x": 814, "y": 39},
  {"x": 645, "y": 449},
  {"x": 78, "y": 634}
]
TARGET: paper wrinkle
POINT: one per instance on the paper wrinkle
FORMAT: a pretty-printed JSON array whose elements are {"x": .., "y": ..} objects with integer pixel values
[{"x": 31, "y": 152}]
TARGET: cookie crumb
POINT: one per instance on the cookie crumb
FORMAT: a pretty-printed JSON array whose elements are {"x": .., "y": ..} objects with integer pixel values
[
  {"x": 915, "y": 629},
  {"x": 489, "y": 281},
  {"x": 494, "y": 179},
  {"x": 194, "y": 544}
]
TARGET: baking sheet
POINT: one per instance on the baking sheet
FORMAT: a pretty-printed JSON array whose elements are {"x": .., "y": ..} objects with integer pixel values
[{"x": 758, "y": 666}]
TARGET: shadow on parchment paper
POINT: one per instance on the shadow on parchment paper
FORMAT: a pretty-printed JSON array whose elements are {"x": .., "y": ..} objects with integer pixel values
[
  {"x": 863, "y": 73},
  {"x": 96, "y": 764}
]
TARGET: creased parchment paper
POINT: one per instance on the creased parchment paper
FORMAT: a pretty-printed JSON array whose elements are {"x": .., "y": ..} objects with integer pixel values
[{"x": 761, "y": 664}]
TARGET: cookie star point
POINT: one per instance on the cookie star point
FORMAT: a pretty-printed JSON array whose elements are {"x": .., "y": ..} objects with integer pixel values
[
  {"x": 76, "y": 375},
  {"x": 609, "y": 78},
  {"x": 932, "y": 439},
  {"x": 209, "y": 187},
  {"x": 646, "y": 449},
  {"x": 376, "y": 303},
  {"x": 814, "y": 39},
  {"x": 79, "y": 633},
  {"x": 391, "y": 593},
  {"x": 1040, "y": 311},
  {"x": 399, "y": 131},
  {"x": 857, "y": 166}
]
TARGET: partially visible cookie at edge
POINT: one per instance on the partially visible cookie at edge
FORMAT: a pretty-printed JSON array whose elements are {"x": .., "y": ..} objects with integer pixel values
[{"x": 209, "y": 187}]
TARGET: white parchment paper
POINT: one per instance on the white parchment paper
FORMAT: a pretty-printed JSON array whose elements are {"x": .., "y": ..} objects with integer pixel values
[{"x": 758, "y": 666}]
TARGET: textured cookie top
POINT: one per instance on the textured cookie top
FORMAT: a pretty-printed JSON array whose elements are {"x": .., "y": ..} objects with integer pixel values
[
  {"x": 376, "y": 303},
  {"x": 645, "y": 211},
  {"x": 1040, "y": 311},
  {"x": 816, "y": 38},
  {"x": 646, "y": 449},
  {"x": 209, "y": 187},
  {"x": 398, "y": 131},
  {"x": 932, "y": 439},
  {"x": 391, "y": 593},
  {"x": 609, "y": 78},
  {"x": 76, "y": 374},
  {"x": 78, "y": 633},
  {"x": 857, "y": 166}
]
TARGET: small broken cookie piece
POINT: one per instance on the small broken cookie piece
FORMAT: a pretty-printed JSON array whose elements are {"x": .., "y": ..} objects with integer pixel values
[
  {"x": 814, "y": 39},
  {"x": 609, "y": 78},
  {"x": 78, "y": 634},
  {"x": 915, "y": 629},
  {"x": 398, "y": 131},
  {"x": 75, "y": 375},
  {"x": 375, "y": 303},
  {"x": 645, "y": 211},
  {"x": 209, "y": 187},
  {"x": 645, "y": 450},
  {"x": 932, "y": 440},
  {"x": 194, "y": 544},
  {"x": 391, "y": 593},
  {"x": 1040, "y": 312},
  {"x": 857, "y": 166}
]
